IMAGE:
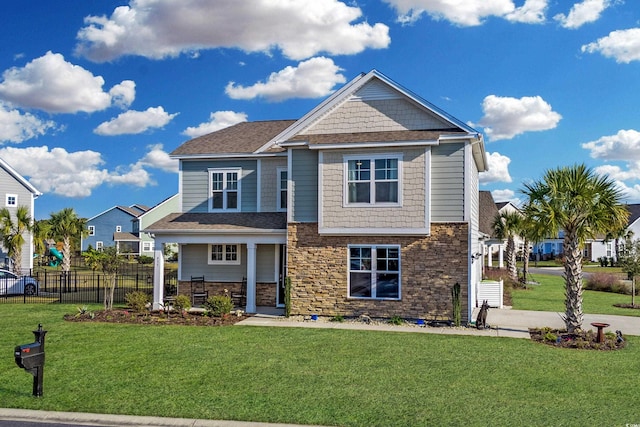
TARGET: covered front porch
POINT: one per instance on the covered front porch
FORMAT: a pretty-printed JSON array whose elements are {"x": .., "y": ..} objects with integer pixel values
[{"x": 224, "y": 249}]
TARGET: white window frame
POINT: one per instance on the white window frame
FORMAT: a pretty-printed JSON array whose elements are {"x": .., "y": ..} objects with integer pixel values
[
  {"x": 9, "y": 198},
  {"x": 282, "y": 190},
  {"x": 372, "y": 180},
  {"x": 228, "y": 250},
  {"x": 118, "y": 228},
  {"x": 99, "y": 245},
  {"x": 92, "y": 230},
  {"x": 373, "y": 270},
  {"x": 225, "y": 191},
  {"x": 148, "y": 246}
]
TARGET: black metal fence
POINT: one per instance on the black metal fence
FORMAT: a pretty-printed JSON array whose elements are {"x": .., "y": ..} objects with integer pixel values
[{"x": 82, "y": 287}]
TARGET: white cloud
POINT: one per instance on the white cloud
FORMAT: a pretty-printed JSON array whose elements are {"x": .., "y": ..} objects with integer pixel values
[
  {"x": 498, "y": 169},
  {"x": 617, "y": 173},
  {"x": 504, "y": 195},
  {"x": 583, "y": 13},
  {"x": 67, "y": 174},
  {"x": 165, "y": 28},
  {"x": 134, "y": 122},
  {"x": 625, "y": 145},
  {"x": 123, "y": 94},
  {"x": 218, "y": 120},
  {"x": 622, "y": 45},
  {"x": 54, "y": 85},
  {"x": 18, "y": 127},
  {"x": 532, "y": 12},
  {"x": 506, "y": 117},
  {"x": 469, "y": 12},
  {"x": 314, "y": 78},
  {"x": 159, "y": 159}
]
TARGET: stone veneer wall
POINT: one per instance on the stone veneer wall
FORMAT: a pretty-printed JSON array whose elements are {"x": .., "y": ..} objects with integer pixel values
[{"x": 430, "y": 266}]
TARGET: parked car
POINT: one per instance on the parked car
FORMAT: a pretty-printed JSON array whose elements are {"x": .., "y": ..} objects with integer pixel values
[{"x": 13, "y": 284}]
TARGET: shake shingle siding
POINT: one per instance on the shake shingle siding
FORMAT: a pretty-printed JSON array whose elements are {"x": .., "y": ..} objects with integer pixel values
[
  {"x": 447, "y": 182},
  {"x": 305, "y": 179}
]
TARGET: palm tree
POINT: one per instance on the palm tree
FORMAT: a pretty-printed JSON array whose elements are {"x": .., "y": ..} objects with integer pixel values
[
  {"x": 582, "y": 204},
  {"x": 40, "y": 233},
  {"x": 13, "y": 228},
  {"x": 65, "y": 225},
  {"x": 506, "y": 225}
]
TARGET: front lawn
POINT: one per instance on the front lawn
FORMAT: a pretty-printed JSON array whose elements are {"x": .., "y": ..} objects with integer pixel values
[
  {"x": 315, "y": 376},
  {"x": 549, "y": 296}
]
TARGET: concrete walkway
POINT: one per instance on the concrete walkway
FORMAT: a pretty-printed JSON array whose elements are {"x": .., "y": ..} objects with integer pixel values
[{"x": 502, "y": 323}]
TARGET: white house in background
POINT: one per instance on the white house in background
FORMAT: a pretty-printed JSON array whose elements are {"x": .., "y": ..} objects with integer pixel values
[{"x": 16, "y": 191}]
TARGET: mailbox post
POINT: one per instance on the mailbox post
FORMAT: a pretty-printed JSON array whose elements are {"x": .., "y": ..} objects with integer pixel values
[{"x": 30, "y": 357}]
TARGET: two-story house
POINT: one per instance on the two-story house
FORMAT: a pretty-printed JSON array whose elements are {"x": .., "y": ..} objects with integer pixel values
[
  {"x": 16, "y": 191},
  {"x": 368, "y": 203},
  {"x": 114, "y": 227}
]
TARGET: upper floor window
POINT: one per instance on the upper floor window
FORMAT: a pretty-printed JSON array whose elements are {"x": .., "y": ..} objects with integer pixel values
[
  {"x": 12, "y": 200},
  {"x": 282, "y": 189},
  {"x": 373, "y": 180},
  {"x": 118, "y": 228},
  {"x": 225, "y": 189},
  {"x": 92, "y": 230},
  {"x": 374, "y": 272},
  {"x": 224, "y": 254}
]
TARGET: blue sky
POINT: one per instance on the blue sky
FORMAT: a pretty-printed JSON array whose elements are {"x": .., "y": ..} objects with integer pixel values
[{"x": 95, "y": 95}]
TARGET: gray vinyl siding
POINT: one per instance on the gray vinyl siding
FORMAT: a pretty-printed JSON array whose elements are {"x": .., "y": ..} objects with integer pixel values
[
  {"x": 447, "y": 182},
  {"x": 304, "y": 176},
  {"x": 9, "y": 185},
  {"x": 195, "y": 263},
  {"x": 195, "y": 183}
]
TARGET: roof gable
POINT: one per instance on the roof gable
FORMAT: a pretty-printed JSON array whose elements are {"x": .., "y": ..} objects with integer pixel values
[{"x": 19, "y": 178}]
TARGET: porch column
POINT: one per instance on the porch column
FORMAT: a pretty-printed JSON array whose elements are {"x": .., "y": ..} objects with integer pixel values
[
  {"x": 490, "y": 256},
  {"x": 501, "y": 256},
  {"x": 251, "y": 278},
  {"x": 158, "y": 278}
]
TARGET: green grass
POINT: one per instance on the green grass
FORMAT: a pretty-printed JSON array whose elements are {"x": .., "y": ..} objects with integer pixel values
[
  {"x": 549, "y": 296},
  {"x": 315, "y": 376}
]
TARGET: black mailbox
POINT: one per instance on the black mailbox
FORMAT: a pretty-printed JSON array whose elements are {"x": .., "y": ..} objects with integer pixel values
[{"x": 31, "y": 358}]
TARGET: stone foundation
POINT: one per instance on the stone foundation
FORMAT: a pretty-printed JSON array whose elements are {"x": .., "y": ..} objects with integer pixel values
[
  {"x": 430, "y": 266},
  {"x": 265, "y": 292}
]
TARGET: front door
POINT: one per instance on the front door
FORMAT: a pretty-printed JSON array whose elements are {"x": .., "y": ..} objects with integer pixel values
[{"x": 282, "y": 274}]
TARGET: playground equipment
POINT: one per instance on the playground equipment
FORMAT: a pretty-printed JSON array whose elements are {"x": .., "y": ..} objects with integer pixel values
[{"x": 57, "y": 257}]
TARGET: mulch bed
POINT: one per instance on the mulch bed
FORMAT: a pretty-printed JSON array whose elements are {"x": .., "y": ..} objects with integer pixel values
[
  {"x": 154, "y": 318},
  {"x": 583, "y": 340}
]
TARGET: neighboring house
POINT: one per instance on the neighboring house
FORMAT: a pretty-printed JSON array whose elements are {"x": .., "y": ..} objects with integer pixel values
[
  {"x": 16, "y": 191},
  {"x": 162, "y": 209},
  {"x": 114, "y": 227},
  {"x": 491, "y": 245},
  {"x": 369, "y": 203}
]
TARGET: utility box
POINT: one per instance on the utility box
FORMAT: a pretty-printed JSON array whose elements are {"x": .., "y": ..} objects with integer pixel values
[{"x": 30, "y": 357}]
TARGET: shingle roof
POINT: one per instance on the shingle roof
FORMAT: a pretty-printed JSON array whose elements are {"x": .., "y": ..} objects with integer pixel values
[
  {"x": 245, "y": 137},
  {"x": 241, "y": 221},
  {"x": 488, "y": 211},
  {"x": 634, "y": 213},
  {"x": 132, "y": 210},
  {"x": 119, "y": 236},
  {"x": 391, "y": 136}
]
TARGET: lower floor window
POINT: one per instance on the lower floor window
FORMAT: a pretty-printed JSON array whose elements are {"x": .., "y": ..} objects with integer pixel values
[
  {"x": 224, "y": 254},
  {"x": 374, "y": 272}
]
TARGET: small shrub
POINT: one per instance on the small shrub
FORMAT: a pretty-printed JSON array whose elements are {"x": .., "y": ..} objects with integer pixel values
[
  {"x": 182, "y": 303},
  {"x": 604, "y": 282},
  {"x": 144, "y": 259},
  {"x": 396, "y": 320},
  {"x": 550, "y": 336},
  {"x": 337, "y": 318},
  {"x": 219, "y": 305},
  {"x": 137, "y": 300}
]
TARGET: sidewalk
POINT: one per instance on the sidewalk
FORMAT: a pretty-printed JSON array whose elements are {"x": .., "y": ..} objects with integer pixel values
[{"x": 86, "y": 419}]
